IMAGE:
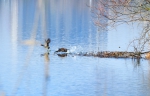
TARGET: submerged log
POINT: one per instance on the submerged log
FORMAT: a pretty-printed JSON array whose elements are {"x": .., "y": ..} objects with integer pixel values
[
  {"x": 105, "y": 54},
  {"x": 119, "y": 54},
  {"x": 116, "y": 54}
]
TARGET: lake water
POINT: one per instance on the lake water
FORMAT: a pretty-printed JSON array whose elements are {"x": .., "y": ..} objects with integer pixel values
[{"x": 27, "y": 70}]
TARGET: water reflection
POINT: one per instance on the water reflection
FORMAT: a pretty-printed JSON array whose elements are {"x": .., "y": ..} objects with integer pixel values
[
  {"x": 69, "y": 24},
  {"x": 47, "y": 72},
  {"x": 46, "y": 63},
  {"x": 14, "y": 29}
]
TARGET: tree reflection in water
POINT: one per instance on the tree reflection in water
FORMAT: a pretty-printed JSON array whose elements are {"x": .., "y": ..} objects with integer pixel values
[{"x": 39, "y": 16}]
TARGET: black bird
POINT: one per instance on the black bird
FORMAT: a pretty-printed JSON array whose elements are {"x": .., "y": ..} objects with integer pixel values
[
  {"x": 62, "y": 50},
  {"x": 46, "y": 45}
]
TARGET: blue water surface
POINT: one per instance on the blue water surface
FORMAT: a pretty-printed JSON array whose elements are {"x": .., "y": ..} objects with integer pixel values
[{"x": 26, "y": 69}]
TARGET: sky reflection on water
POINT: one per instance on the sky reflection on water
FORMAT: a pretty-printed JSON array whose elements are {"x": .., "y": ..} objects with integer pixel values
[{"x": 69, "y": 24}]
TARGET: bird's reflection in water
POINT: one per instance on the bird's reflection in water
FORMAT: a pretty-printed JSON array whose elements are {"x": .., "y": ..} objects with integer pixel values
[
  {"x": 47, "y": 75},
  {"x": 62, "y": 55}
]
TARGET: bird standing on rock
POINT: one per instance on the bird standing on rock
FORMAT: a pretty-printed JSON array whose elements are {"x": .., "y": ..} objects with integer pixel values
[{"x": 46, "y": 45}]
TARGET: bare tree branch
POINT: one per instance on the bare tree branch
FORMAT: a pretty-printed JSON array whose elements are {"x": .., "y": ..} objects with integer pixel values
[{"x": 112, "y": 13}]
